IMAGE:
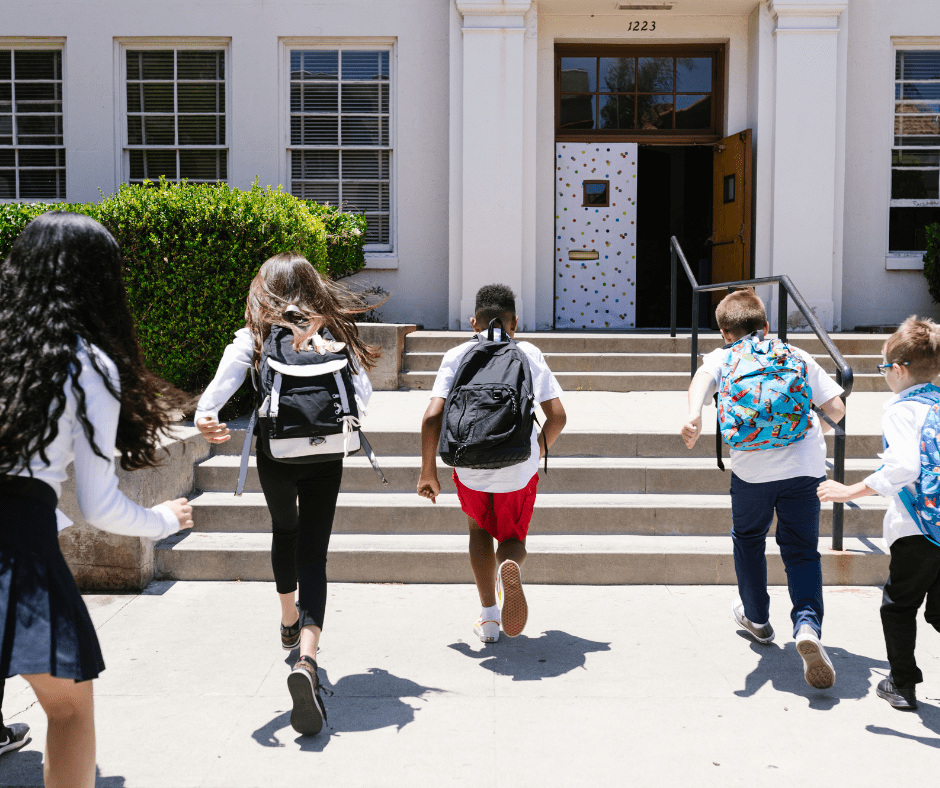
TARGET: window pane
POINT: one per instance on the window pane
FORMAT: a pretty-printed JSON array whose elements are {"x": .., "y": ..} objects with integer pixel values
[
  {"x": 360, "y": 98},
  {"x": 195, "y": 64},
  {"x": 6, "y": 64},
  {"x": 579, "y": 74},
  {"x": 8, "y": 184},
  {"x": 203, "y": 165},
  {"x": 928, "y": 107},
  {"x": 919, "y": 90},
  {"x": 694, "y": 74},
  {"x": 914, "y": 184},
  {"x": 200, "y": 97},
  {"x": 38, "y": 130},
  {"x": 135, "y": 130},
  {"x": 30, "y": 64},
  {"x": 577, "y": 112},
  {"x": 7, "y": 159},
  {"x": 654, "y": 112},
  {"x": 157, "y": 97},
  {"x": 377, "y": 229},
  {"x": 201, "y": 129},
  {"x": 53, "y": 157},
  {"x": 618, "y": 74},
  {"x": 313, "y": 98},
  {"x": 133, "y": 97},
  {"x": 137, "y": 165},
  {"x": 314, "y": 65},
  {"x": 917, "y": 65},
  {"x": 361, "y": 131},
  {"x": 917, "y": 125},
  {"x": 693, "y": 112},
  {"x": 655, "y": 74},
  {"x": 40, "y": 183},
  {"x": 38, "y": 96},
  {"x": 365, "y": 65},
  {"x": 156, "y": 65},
  {"x": 159, "y": 162},
  {"x": 158, "y": 130},
  {"x": 915, "y": 158},
  {"x": 909, "y": 141},
  {"x": 309, "y": 164},
  {"x": 364, "y": 164},
  {"x": 618, "y": 112},
  {"x": 364, "y": 197},
  {"x": 906, "y": 231},
  {"x": 6, "y": 97},
  {"x": 384, "y": 94},
  {"x": 320, "y": 192},
  {"x": 314, "y": 130}
]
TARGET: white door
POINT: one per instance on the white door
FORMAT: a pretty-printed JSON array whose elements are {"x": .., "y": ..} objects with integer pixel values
[{"x": 595, "y": 235}]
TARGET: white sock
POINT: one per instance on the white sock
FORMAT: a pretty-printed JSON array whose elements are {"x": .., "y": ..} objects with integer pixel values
[
  {"x": 759, "y": 626},
  {"x": 490, "y": 613}
]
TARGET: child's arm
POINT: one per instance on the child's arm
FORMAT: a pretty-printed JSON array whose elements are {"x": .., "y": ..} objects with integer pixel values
[
  {"x": 835, "y": 410},
  {"x": 555, "y": 420},
  {"x": 428, "y": 484},
  {"x": 233, "y": 367},
  {"x": 841, "y": 493},
  {"x": 701, "y": 389}
]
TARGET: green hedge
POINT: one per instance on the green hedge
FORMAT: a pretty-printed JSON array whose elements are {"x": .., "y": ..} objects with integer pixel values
[
  {"x": 190, "y": 252},
  {"x": 932, "y": 261}
]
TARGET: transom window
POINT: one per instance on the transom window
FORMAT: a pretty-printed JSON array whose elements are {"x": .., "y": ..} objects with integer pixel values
[
  {"x": 915, "y": 157},
  {"x": 32, "y": 141},
  {"x": 340, "y": 147},
  {"x": 176, "y": 115},
  {"x": 617, "y": 91}
]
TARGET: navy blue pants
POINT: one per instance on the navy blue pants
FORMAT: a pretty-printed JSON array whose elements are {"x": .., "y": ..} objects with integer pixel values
[{"x": 797, "y": 508}]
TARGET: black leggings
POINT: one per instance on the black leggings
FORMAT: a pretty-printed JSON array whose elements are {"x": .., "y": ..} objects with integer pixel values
[{"x": 301, "y": 532}]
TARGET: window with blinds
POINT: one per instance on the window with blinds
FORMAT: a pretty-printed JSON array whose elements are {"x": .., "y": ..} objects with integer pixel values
[
  {"x": 915, "y": 157},
  {"x": 340, "y": 149},
  {"x": 176, "y": 115},
  {"x": 32, "y": 142}
]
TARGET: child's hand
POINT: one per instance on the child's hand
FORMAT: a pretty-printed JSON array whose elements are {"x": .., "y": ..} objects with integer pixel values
[
  {"x": 212, "y": 431},
  {"x": 691, "y": 430},
  {"x": 833, "y": 491},
  {"x": 182, "y": 511},
  {"x": 429, "y": 487}
]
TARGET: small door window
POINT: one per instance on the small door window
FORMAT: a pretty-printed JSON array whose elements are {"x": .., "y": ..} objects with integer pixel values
[{"x": 596, "y": 193}]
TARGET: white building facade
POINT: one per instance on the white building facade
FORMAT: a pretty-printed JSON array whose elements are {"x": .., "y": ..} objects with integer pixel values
[{"x": 552, "y": 145}]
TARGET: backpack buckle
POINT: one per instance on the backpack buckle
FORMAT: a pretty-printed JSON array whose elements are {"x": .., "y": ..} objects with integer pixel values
[{"x": 317, "y": 440}]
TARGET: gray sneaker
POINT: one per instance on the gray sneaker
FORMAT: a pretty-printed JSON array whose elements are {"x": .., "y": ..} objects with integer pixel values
[
  {"x": 764, "y": 634},
  {"x": 817, "y": 667},
  {"x": 13, "y": 736}
]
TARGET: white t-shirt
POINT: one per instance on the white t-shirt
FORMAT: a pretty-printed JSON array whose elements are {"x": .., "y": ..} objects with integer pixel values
[
  {"x": 544, "y": 388},
  {"x": 803, "y": 458}
]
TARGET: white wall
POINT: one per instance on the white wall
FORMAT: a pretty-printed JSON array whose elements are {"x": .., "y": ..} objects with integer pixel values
[
  {"x": 253, "y": 28},
  {"x": 872, "y": 294}
]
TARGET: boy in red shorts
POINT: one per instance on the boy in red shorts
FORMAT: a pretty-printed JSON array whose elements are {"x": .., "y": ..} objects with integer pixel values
[{"x": 498, "y": 502}]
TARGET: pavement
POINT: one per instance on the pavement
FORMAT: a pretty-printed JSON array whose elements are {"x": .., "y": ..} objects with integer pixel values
[{"x": 608, "y": 685}]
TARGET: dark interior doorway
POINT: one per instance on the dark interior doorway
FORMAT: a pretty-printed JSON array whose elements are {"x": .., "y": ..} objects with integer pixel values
[{"x": 674, "y": 197}]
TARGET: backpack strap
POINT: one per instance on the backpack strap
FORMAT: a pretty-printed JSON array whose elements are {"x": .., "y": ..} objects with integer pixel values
[
  {"x": 535, "y": 416},
  {"x": 246, "y": 451},
  {"x": 367, "y": 447},
  {"x": 489, "y": 332},
  {"x": 721, "y": 462}
]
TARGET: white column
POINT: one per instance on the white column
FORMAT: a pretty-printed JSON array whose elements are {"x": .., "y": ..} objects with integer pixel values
[
  {"x": 490, "y": 231},
  {"x": 809, "y": 105}
]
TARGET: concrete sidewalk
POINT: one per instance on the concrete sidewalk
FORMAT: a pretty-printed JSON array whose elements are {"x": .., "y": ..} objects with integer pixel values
[{"x": 635, "y": 685}]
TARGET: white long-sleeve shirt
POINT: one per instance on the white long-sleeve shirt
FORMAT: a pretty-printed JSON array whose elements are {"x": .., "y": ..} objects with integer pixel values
[
  {"x": 235, "y": 363},
  {"x": 901, "y": 426},
  {"x": 96, "y": 486}
]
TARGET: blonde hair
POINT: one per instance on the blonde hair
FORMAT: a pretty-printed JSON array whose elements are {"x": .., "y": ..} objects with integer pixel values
[
  {"x": 917, "y": 342},
  {"x": 741, "y": 313}
]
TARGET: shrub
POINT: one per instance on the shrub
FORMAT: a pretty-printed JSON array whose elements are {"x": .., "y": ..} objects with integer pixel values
[
  {"x": 190, "y": 253},
  {"x": 345, "y": 235},
  {"x": 932, "y": 261}
]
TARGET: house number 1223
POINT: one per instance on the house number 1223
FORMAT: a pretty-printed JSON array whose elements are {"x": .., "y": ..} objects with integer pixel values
[{"x": 649, "y": 26}]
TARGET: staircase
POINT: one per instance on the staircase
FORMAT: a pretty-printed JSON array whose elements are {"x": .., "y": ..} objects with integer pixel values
[{"x": 624, "y": 502}]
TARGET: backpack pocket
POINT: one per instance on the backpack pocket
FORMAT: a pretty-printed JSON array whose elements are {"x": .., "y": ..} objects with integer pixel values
[
  {"x": 485, "y": 415},
  {"x": 306, "y": 407}
]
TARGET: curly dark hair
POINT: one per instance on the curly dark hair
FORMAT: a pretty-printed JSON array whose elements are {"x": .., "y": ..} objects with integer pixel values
[
  {"x": 61, "y": 282},
  {"x": 495, "y": 301}
]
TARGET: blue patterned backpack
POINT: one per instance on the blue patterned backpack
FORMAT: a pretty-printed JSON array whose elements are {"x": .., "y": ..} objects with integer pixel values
[
  {"x": 922, "y": 504},
  {"x": 764, "y": 398}
]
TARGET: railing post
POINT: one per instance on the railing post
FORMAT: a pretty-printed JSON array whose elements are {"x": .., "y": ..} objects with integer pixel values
[
  {"x": 674, "y": 292},
  {"x": 782, "y": 312},
  {"x": 838, "y": 474},
  {"x": 694, "y": 331}
]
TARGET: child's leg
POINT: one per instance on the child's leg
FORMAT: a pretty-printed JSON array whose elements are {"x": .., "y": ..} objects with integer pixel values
[
  {"x": 909, "y": 578},
  {"x": 798, "y": 537},
  {"x": 511, "y": 550},
  {"x": 752, "y": 511},
  {"x": 483, "y": 563}
]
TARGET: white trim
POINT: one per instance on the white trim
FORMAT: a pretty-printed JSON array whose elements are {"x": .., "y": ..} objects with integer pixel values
[
  {"x": 381, "y": 262},
  {"x": 307, "y": 370},
  {"x": 902, "y": 262}
]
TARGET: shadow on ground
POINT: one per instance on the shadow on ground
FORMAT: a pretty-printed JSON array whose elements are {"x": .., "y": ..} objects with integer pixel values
[
  {"x": 23, "y": 769},
  {"x": 361, "y": 702},
  {"x": 782, "y": 666},
  {"x": 929, "y": 716},
  {"x": 548, "y": 656}
]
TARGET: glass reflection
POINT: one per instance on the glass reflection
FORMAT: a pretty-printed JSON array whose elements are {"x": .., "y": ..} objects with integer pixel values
[
  {"x": 618, "y": 112},
  {"x": 655, "y": 74},
  {"x": 694, "y": 74},
  {"x": 654, "y": 112},
  {"x": 693, "y": 112},
  {"x": 577, "y": 112},
  {"x": 618, "y": 74},
  {"x": 578, "y": 74}
]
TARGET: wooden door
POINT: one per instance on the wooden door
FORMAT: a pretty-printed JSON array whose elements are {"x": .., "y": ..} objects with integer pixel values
[{"x": 731, "y": 211}]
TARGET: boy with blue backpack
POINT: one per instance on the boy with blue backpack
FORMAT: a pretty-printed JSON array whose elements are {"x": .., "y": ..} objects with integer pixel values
[
  {"x": 766, "y": 393},
  {"x": 481, "y": 420},
  {"x": 910, "y": 476}
]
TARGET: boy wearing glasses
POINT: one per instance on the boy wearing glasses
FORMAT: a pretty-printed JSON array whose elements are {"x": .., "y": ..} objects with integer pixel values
[{"x": 912, "y": 361}]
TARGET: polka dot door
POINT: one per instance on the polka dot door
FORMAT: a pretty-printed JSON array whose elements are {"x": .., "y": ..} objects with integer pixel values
[{"x": 595, "y": 235}]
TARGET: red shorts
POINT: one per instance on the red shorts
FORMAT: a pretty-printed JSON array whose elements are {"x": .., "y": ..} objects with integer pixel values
[{"x": 502, "y": 515}]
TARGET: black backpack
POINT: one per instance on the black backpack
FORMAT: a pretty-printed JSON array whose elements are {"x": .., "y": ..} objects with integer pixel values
[
  {"x": 488, "y": 415},
  {"x": 306, "y": 406}
]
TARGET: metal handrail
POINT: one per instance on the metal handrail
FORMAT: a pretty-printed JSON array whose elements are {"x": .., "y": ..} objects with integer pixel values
[{"x": 844, "y": 374}]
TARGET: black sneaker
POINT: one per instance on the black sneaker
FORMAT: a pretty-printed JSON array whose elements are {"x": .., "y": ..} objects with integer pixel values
[
  {"x": 14, "y": 736},
  {"x": 309, "y": 713},
  {"x": 290, "y": 636},
  {"x": 902, "y": 699}
]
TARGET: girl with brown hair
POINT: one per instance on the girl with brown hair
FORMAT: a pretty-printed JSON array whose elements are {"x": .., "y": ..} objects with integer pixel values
[{"x": 300, "y": 494}]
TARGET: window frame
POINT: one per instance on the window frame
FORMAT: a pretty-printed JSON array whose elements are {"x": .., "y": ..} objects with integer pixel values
[
  {"x": 56, "y": 43},
  {"x": 650, "y": 136},
  {"x": 905, "y": 259},
  {"x": 122, "y": 45},
  {"x": 377, "y": 255}
]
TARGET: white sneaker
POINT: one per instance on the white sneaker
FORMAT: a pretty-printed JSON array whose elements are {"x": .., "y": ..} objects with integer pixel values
[
  {"x": 511, "y": 598},
  {"x": 13, "y": 736},
  {"x": 817, "y": 667},
  {"x": 487, "y": 631}
]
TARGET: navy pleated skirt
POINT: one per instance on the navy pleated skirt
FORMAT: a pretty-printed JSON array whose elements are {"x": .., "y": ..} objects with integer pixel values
[{"x": 45, "y": 624}]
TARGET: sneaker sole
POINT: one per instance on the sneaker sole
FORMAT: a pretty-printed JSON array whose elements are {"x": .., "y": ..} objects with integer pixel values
[
  {"x": 905, "y": 704},
  {"x": 817, "y": 671},
  {"x": 306, "y": 717},
  {"x": 515, "y": 610},
  {"x": 14, "y": 745},
  {"x": 290, "y": 646}
]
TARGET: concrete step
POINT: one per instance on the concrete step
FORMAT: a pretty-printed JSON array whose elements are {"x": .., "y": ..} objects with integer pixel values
[
  {"x": 622, "y": 362},
  {"x": 566, "y": 475},
  {"x": 555, "y": 513},
  {"x": 581, "y": 560},
  {"x": 620, "y": 381},
  {"x": 659, "y": 343}
]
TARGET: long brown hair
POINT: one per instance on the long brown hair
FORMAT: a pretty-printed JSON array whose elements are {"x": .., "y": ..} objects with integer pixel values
[{"x": 290, "y": 280}]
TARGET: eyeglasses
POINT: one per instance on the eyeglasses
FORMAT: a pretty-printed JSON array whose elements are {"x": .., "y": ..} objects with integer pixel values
[{"x": 883, "y": 368}]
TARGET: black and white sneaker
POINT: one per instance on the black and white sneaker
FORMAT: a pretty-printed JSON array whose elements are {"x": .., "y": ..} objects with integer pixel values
[
  {"x": 14, "y": 736},
  {"x": 309, "y": 713},
  {"x": 290, "y": 636},
  {"x": 902, "y": 699}
]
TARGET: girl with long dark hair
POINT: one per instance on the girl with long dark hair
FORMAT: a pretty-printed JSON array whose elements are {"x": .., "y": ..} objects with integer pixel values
[
  {"x": 288, "y": 292},
  {"x": 73, "y": 387}
]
